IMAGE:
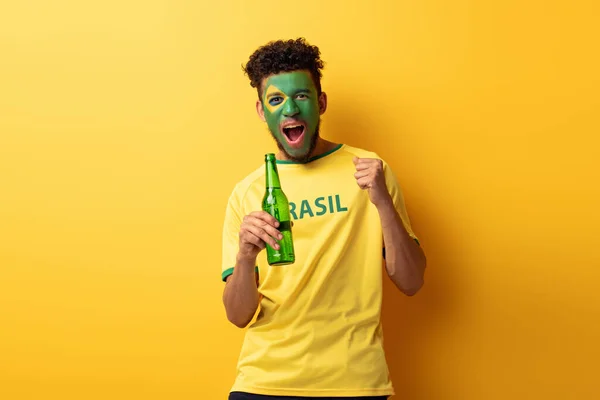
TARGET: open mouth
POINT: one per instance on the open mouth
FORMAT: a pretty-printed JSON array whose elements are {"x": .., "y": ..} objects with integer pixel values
[{"x": 294, "y": 133}]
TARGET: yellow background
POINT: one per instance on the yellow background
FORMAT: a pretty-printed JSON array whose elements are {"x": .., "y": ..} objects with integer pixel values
[{"x": 125, "y": 124}]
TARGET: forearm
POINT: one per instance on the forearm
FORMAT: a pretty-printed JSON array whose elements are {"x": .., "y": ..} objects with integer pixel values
[
  {"x": 240, "y": 296},
  {"x": 404, "y": 259}
]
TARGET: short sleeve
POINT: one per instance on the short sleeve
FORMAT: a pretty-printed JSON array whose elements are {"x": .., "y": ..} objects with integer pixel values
[
  {"x": 230, "y": 235},
  {"x": 398, "y": 199},
  {"x": 234, "y": 214}
]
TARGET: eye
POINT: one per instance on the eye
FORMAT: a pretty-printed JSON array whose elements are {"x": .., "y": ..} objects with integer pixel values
[
  {"x": 302, "y": 96},
  {"x": 275, "y": 100}
]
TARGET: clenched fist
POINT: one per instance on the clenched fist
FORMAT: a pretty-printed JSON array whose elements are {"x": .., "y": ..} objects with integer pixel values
[{"x": 370, "y": 176}]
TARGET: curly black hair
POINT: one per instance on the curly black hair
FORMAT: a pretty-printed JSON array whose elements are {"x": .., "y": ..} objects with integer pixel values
[{"x": 284, "y": 56}]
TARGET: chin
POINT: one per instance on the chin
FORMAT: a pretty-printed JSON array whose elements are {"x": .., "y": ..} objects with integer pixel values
[{"x": 296, "y": 155}]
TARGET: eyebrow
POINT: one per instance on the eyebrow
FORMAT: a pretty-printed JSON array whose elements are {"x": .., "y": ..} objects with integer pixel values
[{"x": 272, "y": 94}]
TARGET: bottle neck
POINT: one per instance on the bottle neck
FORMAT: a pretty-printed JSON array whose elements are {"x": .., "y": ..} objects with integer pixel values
[{"x": 272, "y": 176}]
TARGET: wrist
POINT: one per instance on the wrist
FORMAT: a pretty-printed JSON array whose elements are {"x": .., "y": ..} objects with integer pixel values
[
  {"x": 388, "y": 214},
  {"x": 385, "y": 205},
  {"x": 245, "y": 262}
]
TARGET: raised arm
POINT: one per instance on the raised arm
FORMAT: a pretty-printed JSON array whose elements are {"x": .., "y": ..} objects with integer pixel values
[{"x": 404, "y": 259}]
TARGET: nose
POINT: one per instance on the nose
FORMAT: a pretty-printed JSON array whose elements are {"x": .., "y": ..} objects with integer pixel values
[{"x": 290, "y": 108}]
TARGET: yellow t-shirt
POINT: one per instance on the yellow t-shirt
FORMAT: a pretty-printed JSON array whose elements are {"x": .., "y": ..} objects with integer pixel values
[{"x": 318, "y": 330}]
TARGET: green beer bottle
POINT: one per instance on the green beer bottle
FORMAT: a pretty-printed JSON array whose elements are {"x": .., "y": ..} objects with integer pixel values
[{"x": 275, "y": 202}]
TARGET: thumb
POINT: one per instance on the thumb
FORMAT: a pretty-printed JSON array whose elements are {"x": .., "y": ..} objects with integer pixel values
[{"x": 355, "y": 160}]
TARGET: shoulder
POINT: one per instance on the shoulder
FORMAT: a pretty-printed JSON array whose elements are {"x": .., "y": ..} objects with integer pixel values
[
  {"x": 241, "y": 187},
  {"x": 390, "y": 176},
  {"x": 360, "y": 152},
  {"x": 366, "y": 153}
]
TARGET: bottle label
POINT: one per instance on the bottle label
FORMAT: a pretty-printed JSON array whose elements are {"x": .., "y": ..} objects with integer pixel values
[
  {"x": 273, "y": 209},
  {"x": 285, "y": 226}
]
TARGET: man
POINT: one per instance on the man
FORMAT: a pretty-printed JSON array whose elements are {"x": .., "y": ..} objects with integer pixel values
[{"x": 317, "y": 333}]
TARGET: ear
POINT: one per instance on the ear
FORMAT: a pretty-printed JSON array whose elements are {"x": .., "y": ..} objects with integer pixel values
[
  {"x": 322, "y": 103},
  {"x": 260, "y": 111}
]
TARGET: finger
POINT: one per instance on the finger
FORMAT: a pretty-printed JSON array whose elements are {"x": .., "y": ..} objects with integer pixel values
[
  {"x": 263, "y": 235},
  {"x": 265, "y": 216},
  {"x": 249, "y": 237},
  {"x": 364, "y": 164},
  {"x": 355, "y": 160},
  {"x": 364, "y": 182},
  {"x": 262, "y": 224},
  {"x": 362, "y": 173}
]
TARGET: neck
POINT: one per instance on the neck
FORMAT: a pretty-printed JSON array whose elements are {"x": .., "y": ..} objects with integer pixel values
[{"x": 322, "y": 146}]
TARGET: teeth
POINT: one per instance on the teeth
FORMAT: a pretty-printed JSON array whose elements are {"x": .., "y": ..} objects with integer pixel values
[{"x": 293, "y": 126}]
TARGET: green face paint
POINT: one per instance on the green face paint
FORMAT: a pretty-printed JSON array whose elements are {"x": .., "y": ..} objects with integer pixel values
[{"x": 291, "y": 107}]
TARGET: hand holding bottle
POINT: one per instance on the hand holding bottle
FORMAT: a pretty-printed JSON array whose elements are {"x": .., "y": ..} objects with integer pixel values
[{"x": 257, "y": 229}]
